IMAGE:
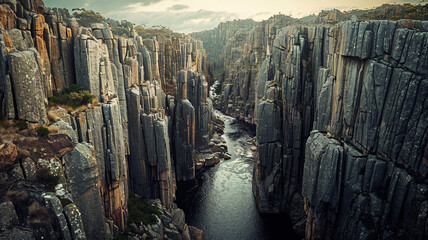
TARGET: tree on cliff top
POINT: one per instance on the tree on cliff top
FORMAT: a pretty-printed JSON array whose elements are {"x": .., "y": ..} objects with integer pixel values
[{"x": 87, "y": 17}]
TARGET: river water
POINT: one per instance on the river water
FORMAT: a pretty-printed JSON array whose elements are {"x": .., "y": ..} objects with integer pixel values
[{"x": 220, "y": 201}]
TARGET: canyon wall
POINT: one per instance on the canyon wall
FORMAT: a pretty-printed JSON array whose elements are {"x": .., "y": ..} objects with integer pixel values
[
  {"x": 361, "y": 88},
  {"x": 238, "y": 49},
  {"x": 341, "y": 127},
  {"x": 122, "y": 140}
]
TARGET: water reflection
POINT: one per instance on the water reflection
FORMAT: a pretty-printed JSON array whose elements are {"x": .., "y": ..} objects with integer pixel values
[{"x": 220, "y": 200}]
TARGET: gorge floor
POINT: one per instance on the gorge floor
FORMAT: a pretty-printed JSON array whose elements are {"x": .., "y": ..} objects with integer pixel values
[{"x": 220, "y": 201}]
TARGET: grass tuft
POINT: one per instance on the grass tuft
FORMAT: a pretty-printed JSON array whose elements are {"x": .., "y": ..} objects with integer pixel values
[
  {"x": 140, "y": 210},
  {"x": 21, "y": 125},
  {"x": 42, "y": 131}
]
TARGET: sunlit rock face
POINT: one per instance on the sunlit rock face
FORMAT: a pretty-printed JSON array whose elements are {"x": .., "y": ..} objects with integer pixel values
[{"x": 128, "y": 130}]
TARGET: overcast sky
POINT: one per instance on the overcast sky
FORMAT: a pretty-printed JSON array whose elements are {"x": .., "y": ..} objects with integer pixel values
[{"x": 197, "y": 15}]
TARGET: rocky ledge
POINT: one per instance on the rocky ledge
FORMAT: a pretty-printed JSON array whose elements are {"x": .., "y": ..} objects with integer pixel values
[{"x": 170, "y": 225}]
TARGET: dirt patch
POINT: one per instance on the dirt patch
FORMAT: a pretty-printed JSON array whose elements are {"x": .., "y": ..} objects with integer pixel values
[{"x": 33, "y": 146}]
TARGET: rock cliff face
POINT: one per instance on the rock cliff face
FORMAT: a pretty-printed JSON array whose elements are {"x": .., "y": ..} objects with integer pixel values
[
  {"x": 245, "y": 45},
  {"x": 123, "y": 137},
  {"x": 193, "y": 117},
  {"x": 362, "y": 86}
]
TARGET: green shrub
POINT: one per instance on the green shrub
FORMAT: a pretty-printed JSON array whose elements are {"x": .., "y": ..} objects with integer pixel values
[
  {"x": 45, "y": 176},
  {"x": 120, "y": 31},
  {"x": 151, "y": 32},
  {"x": 74, "y": 96},
  {"x": 87, "y": 17},
  {"x": 140, "y": 210},
  {"x": 297, "y": 43},
  {"x": 42, "y": 131},
  {"x": 21, "y": 125}
]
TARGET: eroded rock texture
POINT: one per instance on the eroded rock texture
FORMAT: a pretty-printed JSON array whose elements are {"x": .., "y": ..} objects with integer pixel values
[
  {"x": 193, "y": 117},
  {"x": 363, "y": 83},
  {"x": 238, "y": 49},
  {"x": 123, "y": 137}
]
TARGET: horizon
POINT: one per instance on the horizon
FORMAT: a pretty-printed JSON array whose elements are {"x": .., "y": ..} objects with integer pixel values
[{"x": 187, "y": 16}]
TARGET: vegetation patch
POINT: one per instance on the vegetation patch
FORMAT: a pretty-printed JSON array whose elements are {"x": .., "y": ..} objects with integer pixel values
[
  {"x": 45, "y": 176},
  {"x": 5, "y": 124},
  {"x": 42, "y": 131},
  {"x": 120, "y": 31},
  {"x": 140, "y": 210},
  {"x": 75, "y": 96},
  {"x": 396, "y": 12},
  {"x": 29, "y": 209},
  {"x": 151, "y": 32},
  {"x": 87, "y": 17},
  {"x": 21, "y": 125}
]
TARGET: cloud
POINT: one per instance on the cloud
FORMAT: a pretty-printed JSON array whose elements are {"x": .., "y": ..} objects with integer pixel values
[
  {"x": 176, "y": 17},
  {"x": 178, "y": 7},
  {"x": 103, "y": 6},
  {"x": 183, "y": 21}
]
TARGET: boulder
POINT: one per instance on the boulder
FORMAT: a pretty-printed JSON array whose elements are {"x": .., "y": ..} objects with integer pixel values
[
  {"x": 82, "y": 180},
  {"x": 28, "y": 85},
  {"x": 178, "y": 219},
  {"x": 8, "y": 154},
  {"x": 196, "y": 234}
]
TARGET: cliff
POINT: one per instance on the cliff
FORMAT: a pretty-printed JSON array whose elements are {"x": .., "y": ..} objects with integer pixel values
[
  {"x": 121, "y": 141},
  {"x": 340, "y": 115},
  {"x": 360, "y": 87},
  {"x": 245, "y": 45}
]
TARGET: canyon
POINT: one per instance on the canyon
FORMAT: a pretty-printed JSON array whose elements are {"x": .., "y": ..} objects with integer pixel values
[
  {"x": 341, "y": 122},
  {"x": 340, "y": 108}
]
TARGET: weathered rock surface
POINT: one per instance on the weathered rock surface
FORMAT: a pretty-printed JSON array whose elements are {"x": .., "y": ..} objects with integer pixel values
[
  {"x": 362, "y": 82},
  {"x": 8, "y": 217},
  {"x": 386, "y": 201},
  {"x": 82, "y": 181},
  {"x": 170, "y": 225},
  {"x": 193, "y": 118},
  {"x": 45, "y": 50},
  {"x": 8, "y": 154},
  {"x": 346, "y": 80},
  {"x": 238, "y": 48}
]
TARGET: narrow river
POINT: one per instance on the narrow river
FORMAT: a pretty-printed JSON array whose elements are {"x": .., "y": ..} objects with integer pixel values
[{"x": 221, "y": 201}]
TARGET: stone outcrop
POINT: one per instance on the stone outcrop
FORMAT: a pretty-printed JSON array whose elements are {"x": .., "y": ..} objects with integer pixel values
[
  {"x": 150, "y": 159},
  {"x": 169, "y": 225},
  {"x": 218, "y": 42},
  {"x": 193, "y": 119}
]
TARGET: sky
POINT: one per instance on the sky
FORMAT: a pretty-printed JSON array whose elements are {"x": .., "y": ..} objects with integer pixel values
[{"x": 197, "y": 15}]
